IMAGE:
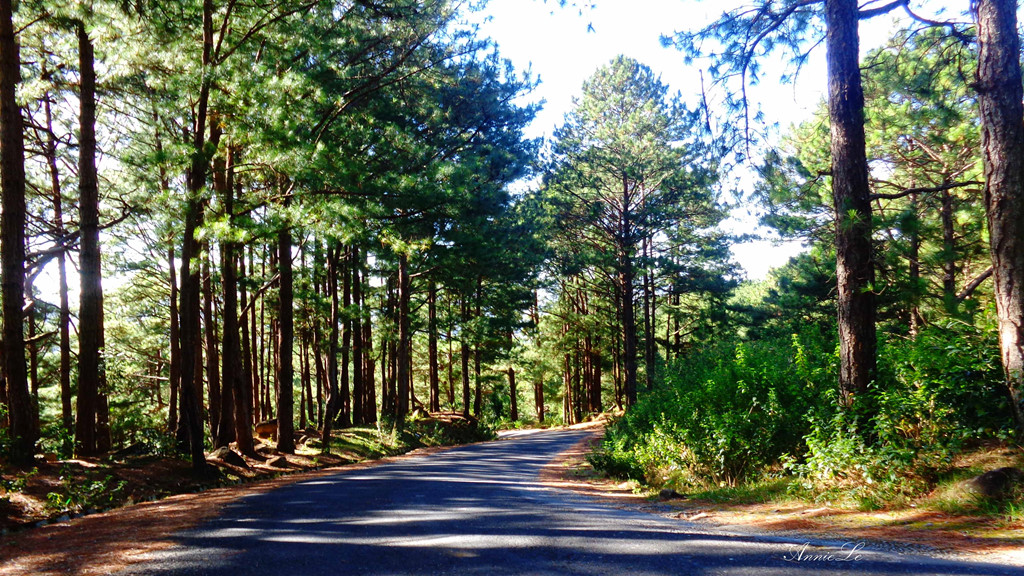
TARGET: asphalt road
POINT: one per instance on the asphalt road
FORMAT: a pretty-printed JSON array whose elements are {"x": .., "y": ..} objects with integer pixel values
[{"x": 480, "y": 510}]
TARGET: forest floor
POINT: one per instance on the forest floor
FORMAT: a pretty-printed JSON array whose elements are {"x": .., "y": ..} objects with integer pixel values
[
  {"x": 56, "y": 490},
  {"x": 984, "y": 538}
]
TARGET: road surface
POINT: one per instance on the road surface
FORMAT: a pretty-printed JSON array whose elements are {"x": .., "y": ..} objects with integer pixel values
[{"x": 480, "y": 510}]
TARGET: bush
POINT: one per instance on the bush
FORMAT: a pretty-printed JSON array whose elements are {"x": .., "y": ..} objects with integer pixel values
[
  {"x": 722, "y": 414},
  {"x": 933, "y": 394},
  {"x": 449, "y": 430}
]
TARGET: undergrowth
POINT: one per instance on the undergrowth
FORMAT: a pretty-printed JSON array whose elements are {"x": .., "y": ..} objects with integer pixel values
[{"x": 741, "y": 420}]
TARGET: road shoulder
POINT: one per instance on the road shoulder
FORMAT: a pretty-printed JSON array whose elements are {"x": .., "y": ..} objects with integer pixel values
[{"x": 921, "y": 532}]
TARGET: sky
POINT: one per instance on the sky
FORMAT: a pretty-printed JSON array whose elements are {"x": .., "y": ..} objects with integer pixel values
[{"x": 564, "y": 46}]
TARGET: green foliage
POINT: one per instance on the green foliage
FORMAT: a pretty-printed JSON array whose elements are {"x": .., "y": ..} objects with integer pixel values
[
  {"x": 96, "y": 490},
  {"x": 723, "y": 414},
  {"x": 58, "y": 439},
  {"x": 935, "y": 393},
  {"x": 732, "y": 411},
  {"x": 453, "y": 432},
  {"x": 17, "y": 482}
]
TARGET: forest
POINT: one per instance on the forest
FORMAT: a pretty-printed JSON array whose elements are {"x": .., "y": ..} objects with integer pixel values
[{"x": 223, "y": 220}]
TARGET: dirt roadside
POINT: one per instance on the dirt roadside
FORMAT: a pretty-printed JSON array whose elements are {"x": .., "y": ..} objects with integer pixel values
[{"x": 922, "y": 531}]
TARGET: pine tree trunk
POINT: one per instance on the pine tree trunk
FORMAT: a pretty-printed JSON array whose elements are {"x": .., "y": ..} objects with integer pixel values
[
  {"x": 191, "y": 421},
  {"x": 12, "y": 246},
  {"x": 247, "y": 395},
  {"x": 210, "y": 338},
  {"x": 451, "y": 363},
  {"x": 567, "y": 400},
  {"x": 628, "y": 331},
  {"x": 347, "y": 334},
  {"x": 538, "y": 382},
  {"x": 404, "y": 348},
  {"x": 464, "y": 353},
  {"x": 333, "y": 396},
  {"x": 90, "y": 334},
  {"x": 252, "y": 340},
  {"x": 285, "y": 315},
  {"x": 33, "y": 362},
  {"x": 434, "y": 377},
  {"x": 389, "y": 348},
  {"x": 477, "y": 383},
  {"x": 914, "y": 272},
  {"x": 174, "y": 364},
  {"x": 64, "y": 313},
  {"x": 513, "y": 400},
  {"x": 1002, "y": 140},
  {"x": 235, "y": 417},
  {"x": 358, "y": 371},
  {"x": 369, "y": 384},
  {"x": 303, "y": 378},
  {"x": 948, "y": 253},
  {"x": 851, "y": 197},
  {"x": 649, "y": 350}
]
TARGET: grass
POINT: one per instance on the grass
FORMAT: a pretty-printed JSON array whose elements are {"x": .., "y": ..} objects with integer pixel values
[{"x": 757, "y": 492}]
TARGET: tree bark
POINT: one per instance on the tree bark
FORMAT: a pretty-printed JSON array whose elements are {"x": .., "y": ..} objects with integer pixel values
[
  {"x": 434, "y": 377},
  {"x": 285, "y": 315},
  {"x": 628, "y": 332},
  {"x": 64, "y": 320},
  {"x": 948, "y": 253},
  {"x": 90, "y": 334},
  {"x": 342, "y": 322},
  {"x": 174, "y": 364},
  {"x": 404, "y": 351},
  {"x": 851, "y": 198},
  {"x": 513, "y": 400},
  {"x": 358, "y": 371},
  {"x": 464, "y": 353},
  {"x": 248, "y": 393},
  {"x": 235, "y": 400},
  {"x": 12, "y": 248},
  {"x": 916, "y": 289},
  {"x": 333, "y": 396},
  {"x": 213, "y": 381},
  {"x": 191, "y": 423},
  {"x": 477, "y": 383},
  {"x": 649, "y": 320},
  {"x": 369, "y": 385},
  {"x": 1002, "y": 140}
]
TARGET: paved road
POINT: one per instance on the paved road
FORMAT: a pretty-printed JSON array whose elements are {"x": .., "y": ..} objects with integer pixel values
[{"x": 480, "y": 510}]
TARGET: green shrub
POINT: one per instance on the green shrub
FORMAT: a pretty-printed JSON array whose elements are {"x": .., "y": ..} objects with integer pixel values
[
  {"x": 933, "y": 393},
  {"x": 722, "y": 414},
  {"x": 449, "y": 431},
  {"x": 96, "y": 490}
]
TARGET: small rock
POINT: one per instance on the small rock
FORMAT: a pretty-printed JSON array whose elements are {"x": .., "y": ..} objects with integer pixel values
[
  {"x": 279, "y": 462},
  {"x": 996, "y": 484}
]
